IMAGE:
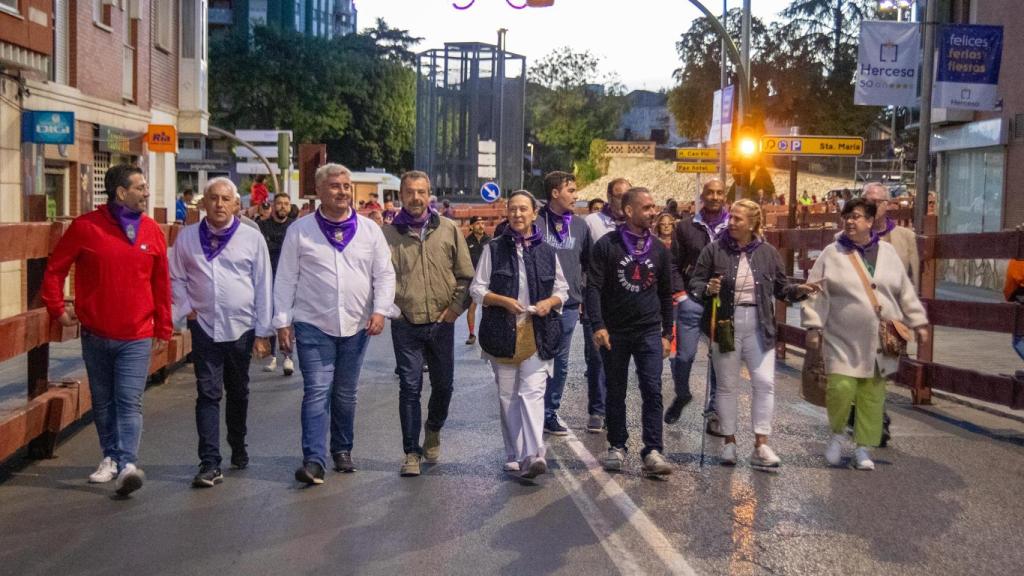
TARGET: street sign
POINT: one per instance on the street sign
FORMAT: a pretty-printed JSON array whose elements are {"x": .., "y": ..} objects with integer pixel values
[
  {"x": 696, "y": 168},
  {"x": 490, "y": 192},
  {"x": 697, "y": 154},
  {"x": 812, "y": 145}
]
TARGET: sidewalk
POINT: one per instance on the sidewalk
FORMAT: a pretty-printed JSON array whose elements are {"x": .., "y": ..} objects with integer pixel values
[{"x": 65, "y": 360}]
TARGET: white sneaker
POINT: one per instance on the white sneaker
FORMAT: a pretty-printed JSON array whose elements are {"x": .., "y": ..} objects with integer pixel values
[
  {"x": 289, "y": 366},
  {"x": 511, "y": 467},
  {"x": 106, "y": 472},
  {"x": 271, "y": 366},
  {"x": 728, "y": 454},
  {"x": 765, "y": 457},
  {"x": 129, "y": 480},
  {"x": 862, "y": 459},
  {"x": 834, "y": 452}
]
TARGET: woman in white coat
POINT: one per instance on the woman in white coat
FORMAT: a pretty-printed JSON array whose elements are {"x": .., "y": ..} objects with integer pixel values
[
  {"x": 844, "y": 315},
  {"x": 519, "y": 286}
]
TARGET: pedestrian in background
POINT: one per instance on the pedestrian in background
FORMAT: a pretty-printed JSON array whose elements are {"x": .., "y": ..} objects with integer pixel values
[
  {"x": 863, "y": 284},
  {"x": 595, "y": 205},
  {"x": 274, "y": 230},
  {"x": 433, "y": 271},
  {"x": 183, "y": 204},
  {"x": 519, "y": 283},
  {"x": 221, "y": 280},
  {"x": 258, "y": 192},
  {"x": 1013, "y": 290},
  {"x": 663, "y": 228},
  {"x": 569, "y": 235},
  {"x": 737, "y": 278},
  {"x": 123, "y": 296},
  {"x": 334, "y": 288},
  {"x": 476, "y": 240},
  {"x": 629, "y": 298}
]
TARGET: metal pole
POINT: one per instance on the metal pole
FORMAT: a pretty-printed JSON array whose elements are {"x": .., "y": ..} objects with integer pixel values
[
  {"x": 745, "y": 42},
  {"x": 501, "y": 105},
  {"x": 892, "y": 133},
  {"x": 925, "y": 121},
  {"x": 721, "y": 101},
  {"x": 239, "y": 141}
]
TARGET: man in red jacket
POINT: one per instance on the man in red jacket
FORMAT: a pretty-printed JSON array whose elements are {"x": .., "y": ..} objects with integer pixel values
[{"x": 123, "y": 301}]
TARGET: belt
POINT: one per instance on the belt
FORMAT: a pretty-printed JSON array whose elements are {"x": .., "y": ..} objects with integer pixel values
[{"x": 746, "y": 305}]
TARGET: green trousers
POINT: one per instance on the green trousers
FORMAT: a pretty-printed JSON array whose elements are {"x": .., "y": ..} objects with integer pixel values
[{"x": 868, "y": 394}]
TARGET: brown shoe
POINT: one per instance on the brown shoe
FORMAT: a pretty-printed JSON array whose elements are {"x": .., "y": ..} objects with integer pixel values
[
  {"x": 431, "y": 445},
  {"x": 411, "y": 466}
]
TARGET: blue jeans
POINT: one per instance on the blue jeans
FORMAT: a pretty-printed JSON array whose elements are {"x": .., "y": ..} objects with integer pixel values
[
  {"x": 556, "y": 382},
  {"x": 117, "y": 371},
  {"x": 433, "y": 343},
  {"x": 596, "y": 388},
  {"x": 330, "y": 374},
  {"x": 645, "y": 350},
  {"x": 688, "y": 314},
  {"x": 221, "y": 368},
  {"x": 1018, "y": 345}
]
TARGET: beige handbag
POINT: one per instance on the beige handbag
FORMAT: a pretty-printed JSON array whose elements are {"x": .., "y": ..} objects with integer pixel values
[{"x": 526, "y": 343}]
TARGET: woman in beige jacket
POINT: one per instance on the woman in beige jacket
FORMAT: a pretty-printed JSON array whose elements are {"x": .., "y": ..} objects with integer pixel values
[{"x": 842, "y": 313}]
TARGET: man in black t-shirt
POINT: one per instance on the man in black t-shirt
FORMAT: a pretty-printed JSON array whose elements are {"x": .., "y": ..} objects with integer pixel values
[
  {"x": 629, "y": 300},
  {"x": 274, "y": 230},
  {"x": 476, "y": 240}
]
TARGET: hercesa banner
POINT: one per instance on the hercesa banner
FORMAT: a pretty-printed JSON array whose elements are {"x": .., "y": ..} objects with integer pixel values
[
  {"x": 967, "y": 75},
  {"x": 887, "y": 64}
]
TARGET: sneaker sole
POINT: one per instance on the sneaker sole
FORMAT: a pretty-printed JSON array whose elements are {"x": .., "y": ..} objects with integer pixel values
[
  {"x": 100, "y": 480},
  {"x": 556, "y": 432},
  {"x": 537, "y": 467},
  {"x": 130, "y": 484},
  {"x": 763, "y": 464},
  {"x": 409, "y": 473},
  {"x": 305, "y": 478},
  {"x": 657, "y": 471},
  {"x": 197, "y": 483},
  {"x": 595, "y": 430}
]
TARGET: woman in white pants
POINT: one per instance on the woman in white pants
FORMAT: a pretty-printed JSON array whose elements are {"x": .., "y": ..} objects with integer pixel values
[
  {"x": 738, "y": 277},
  {"x": 518, "y": 286}
]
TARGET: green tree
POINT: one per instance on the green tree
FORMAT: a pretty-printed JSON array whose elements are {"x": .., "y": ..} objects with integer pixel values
[
  {"x": 355, "y": 93},
  {"x": 569, "y": 104}
]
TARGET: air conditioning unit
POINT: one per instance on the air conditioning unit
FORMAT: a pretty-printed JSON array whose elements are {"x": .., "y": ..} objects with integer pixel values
[{"x": 951, "y": 115}]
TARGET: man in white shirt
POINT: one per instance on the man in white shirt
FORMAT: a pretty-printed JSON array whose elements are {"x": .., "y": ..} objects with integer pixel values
[
  {"x": 220, "y": 279},
  {"x": 334, "y": 287}
]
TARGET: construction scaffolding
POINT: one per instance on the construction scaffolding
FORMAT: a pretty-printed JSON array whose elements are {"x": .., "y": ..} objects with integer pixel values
[{"x": 467, "y": 93}]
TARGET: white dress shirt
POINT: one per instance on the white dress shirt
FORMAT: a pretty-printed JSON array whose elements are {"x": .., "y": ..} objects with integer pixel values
[
  {"x": 334, "y": 291},
  {"x": 230, "y": 294},
  {"x": 599, "y": 224}
]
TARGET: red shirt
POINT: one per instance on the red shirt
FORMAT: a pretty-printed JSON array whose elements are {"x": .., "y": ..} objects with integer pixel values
[
  {"x": 258, "y": 194},
  {"x": 122, "y": 291}
]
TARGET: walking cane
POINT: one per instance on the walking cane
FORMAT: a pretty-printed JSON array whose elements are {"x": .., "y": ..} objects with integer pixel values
[{"x": 707, "y": 380}]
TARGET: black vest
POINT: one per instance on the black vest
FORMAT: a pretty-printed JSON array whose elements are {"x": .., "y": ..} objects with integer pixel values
[{"x": 497, "y": 325}]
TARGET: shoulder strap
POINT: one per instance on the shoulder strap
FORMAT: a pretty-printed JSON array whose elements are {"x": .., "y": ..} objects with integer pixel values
[{"x": 859, "y": 267}]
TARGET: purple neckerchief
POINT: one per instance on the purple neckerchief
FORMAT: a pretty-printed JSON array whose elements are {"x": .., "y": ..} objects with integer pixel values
[
  {"x": 631, "y": 241},
  {"x": 407, "y": 220},
  {"x": 213, "y": 243},
  {"x": 607, "y": 211},
  {"x": 715, "y": 228},
  {"x": 846, "y": 242},
  {"x": 889, "y": 225},
  {"x": 533, "y": 239},
  {"x": 560, "y": 224},
  {"x": 339, "y": 234},
  {"x": 730, "y": 243},
  {"x": 128, "y": 221}
]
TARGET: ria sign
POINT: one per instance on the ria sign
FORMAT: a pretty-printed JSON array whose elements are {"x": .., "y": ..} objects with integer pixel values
[{"x": 518, "y": 5}]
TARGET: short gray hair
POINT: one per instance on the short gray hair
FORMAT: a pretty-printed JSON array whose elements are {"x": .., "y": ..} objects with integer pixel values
[
  {"x": 330, "y": 169},
  {"x": 879, "y": 185},
  {"x": 222, "y": 181}
]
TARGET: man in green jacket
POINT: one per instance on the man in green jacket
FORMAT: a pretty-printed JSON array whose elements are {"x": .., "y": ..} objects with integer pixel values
[{"x": 433, "y": 271}]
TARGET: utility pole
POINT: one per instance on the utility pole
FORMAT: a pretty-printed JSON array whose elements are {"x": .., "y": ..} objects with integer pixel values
[
  {"x": 721, "y": 101},
  {"x": 925, "y": 121},
  {"x": 500, "y": 86}
]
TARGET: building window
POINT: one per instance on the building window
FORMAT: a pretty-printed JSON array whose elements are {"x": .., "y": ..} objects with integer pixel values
[
  {"x": 188, "y": 29},
  {"x": 9, "y": 6},
  {"x": 102, "y": 13},
  {"x": 128, "y": 69},
  {"x": 165, "y": 24}
]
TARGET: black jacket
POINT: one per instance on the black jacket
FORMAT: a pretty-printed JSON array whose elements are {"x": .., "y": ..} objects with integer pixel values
[
  {"x": 688, "y": 240},
  {"x": 770, "y": 282},
  {"x": 627, "y": 296},
  {"x": 498, "y": 325},
  {"x": 476, "y": 247}
]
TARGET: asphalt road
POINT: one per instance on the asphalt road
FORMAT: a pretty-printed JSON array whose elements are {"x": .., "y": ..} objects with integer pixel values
[{"x": 945, "y": 499}]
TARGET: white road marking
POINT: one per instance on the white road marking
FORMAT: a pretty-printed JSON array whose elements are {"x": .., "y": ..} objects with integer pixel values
[{"x": 637, "y": 518}]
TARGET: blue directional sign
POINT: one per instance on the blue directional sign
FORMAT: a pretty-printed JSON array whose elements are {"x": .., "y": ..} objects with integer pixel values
[
  {"x": 783, "y": 145},
  {"x": 490, "y": 192},
  {"x": 798, "y": 145}
]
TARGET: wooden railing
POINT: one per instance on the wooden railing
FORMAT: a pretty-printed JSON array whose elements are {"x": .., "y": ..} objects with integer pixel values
[
  {"x": 630, "y": 149},
  {"x": 49, "y": 407},
  {"x": 923, "y": 373}
]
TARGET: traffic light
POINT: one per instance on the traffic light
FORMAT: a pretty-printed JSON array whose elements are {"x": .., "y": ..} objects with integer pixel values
[{"x": 747, "y": 152}]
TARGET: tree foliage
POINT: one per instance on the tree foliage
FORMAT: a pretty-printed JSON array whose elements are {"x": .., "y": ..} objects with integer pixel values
[
  {"x": 802, "y": 69},
  {"x": 569, "y": 104},
  {"x": 355, "y": 93}
]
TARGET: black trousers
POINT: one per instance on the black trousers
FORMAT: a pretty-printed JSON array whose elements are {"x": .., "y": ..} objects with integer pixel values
[{"x": 221, "y": 367}]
